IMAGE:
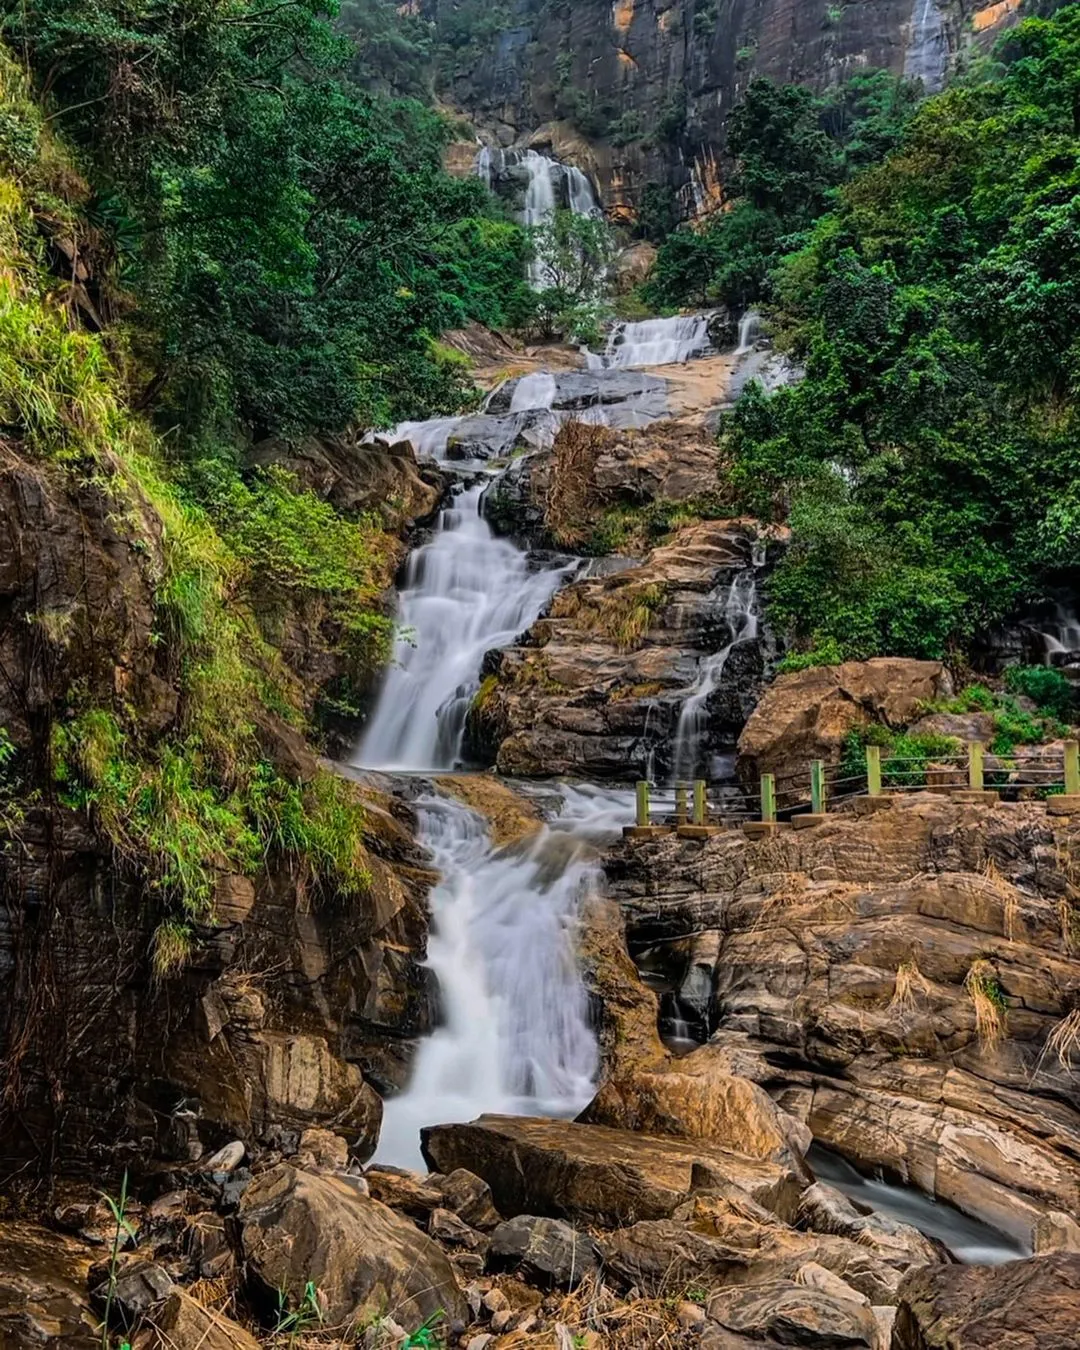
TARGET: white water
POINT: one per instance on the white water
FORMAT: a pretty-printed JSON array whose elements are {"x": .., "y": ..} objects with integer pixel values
[
  {"x": 927, "y": 54},
  {"x": 749, "y": 331},
  {"x": 653, "y": 342},
  {"x": 515, "y": 1038},
  {"x": 740, "y": 614},
  {"x": 465, "y": 592}
]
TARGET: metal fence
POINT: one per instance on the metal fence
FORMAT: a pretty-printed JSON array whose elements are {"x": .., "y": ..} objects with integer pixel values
[{"x": 804, "y": 795}]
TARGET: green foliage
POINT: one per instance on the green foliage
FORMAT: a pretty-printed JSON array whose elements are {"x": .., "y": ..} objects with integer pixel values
[
  {"x": 829, "y": 653},
  {"x": 425, "y": 1337},
  {"x": 927, "y": 462},
  {"x": 904, "y": 757},
  {"x": 1048, "y": 689},
  {"x": 791, "y": 149},
  {"x": 294, "y": 242},
  {"x": 1012, "y": 724},
  {"x": 572, "y": 255}
]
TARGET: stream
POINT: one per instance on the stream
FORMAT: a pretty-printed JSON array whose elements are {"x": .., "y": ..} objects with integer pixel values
[{"x": 515, "y": 1035}]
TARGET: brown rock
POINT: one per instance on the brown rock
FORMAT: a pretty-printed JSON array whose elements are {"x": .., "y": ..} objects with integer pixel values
[
  {"x": 323, "y": 1150},
  {"x": 183, "y": 1324},
  {"x": 1055, "y": 1232},
  {"x": 411, "y": 1192},
  {"x": 43, "y": 1291},
  {"x": 593, "y": 1173},
  {"x": 794, "y": 1315},
  {"x": 298, "y": 1227},
  {"x": 547, "y": 1249},
  {"x": 807, "y": 715},
  {"x": 469, "y": 1197},
  {"x": 448, "y": 1229},
  {"x": 732, "y": 1112},
  {"x": 1023, "y": 1305}
]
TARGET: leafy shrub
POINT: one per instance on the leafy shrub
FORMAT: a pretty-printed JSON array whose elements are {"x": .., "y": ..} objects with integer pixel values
[
  {"x": 904, "y": 757},
  {"x": 1047, "y": 688},
  {"x": 827, "y": 654}
]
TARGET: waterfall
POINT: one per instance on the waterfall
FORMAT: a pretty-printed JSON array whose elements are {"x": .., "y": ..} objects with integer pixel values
[
  {"x": 741, "y": 617},
  {"x": 749, "y": 331},
  {"x": 654, "y": 342},
  {"x": 927, "y": 54},
  {"x": 515, "y": 1036},
  {"x": 465, "y": 592},
  {"x": 484, "y": 166}
]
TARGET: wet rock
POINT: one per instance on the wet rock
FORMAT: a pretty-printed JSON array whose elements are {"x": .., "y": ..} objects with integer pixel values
[
  {"x": 226, "y": 1159},
  {"x": 547, "y": 1249},
  {"x": 809, "y": 714},
  {"x": 794, "y": 1315},
  {"x": 1023, "y": 1305},
  {"x": 590, "y": 1172},
  {"x": 826, "y": 1210},
  {"x": 184, "y": 1324},
  {"x": 732, "y": 1112},
  {"x": 469, "y": 1197},
  {"x": 298, "y": 1227},
  {"x": 594, "y": 688}
]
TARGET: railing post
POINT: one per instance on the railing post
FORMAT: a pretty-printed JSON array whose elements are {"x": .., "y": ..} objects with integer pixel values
[
  {"x": 642, "y": 818},
  {"x": 817, "y": 787},
  {"x": 975, "y": 766},
  {"x": 873, "y": 770},
  {"x": 680, "y": 804},
  {"x": 700, "y": 810},
  {"x": 1072, "y": 769},
  {"x": 768, "y": 797}
]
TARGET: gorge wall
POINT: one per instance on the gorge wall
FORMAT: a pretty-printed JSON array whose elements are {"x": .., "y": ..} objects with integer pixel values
[{"x": 637, "y": 92}]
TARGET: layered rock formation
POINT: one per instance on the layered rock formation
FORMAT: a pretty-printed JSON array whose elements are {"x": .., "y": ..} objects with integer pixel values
[
  {"x": 596, "y": 686},
  {"x": 286, "y": 1002},
  {"x": 638, "y": 92},
  {"x": 904, "y": 983}
]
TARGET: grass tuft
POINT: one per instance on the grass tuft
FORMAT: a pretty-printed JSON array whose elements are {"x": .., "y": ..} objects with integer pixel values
[{"x": 988, "y": 999}]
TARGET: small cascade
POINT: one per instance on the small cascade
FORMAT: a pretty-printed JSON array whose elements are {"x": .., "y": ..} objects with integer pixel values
[
  {"x": 927, "y": 54},
  {"x": 749, "y": 332},
  {"x": 536, "y": 391},
  {"x": 485, "y": 169},
  {"x": 580, "y": 194},
  {"x": 1058, "y": 637},
  {"x": 515, "y": 1037},
  {"x": 740, "y": 613},
  {"x": 465, "y": 592},
  {"x": 653, "y": 342}
]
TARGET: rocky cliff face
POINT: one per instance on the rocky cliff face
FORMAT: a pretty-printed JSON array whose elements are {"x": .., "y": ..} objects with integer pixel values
[{"x": 637, "y": 92}]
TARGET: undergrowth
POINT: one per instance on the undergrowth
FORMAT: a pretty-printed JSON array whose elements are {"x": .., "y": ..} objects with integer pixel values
[
  {"x": 905, "y": 757},
  {"x": 201, "y": 798}
]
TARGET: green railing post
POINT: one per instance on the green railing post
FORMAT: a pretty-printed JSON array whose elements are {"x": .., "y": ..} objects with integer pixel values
[
  {"x": 680, "y": 804},
  {"x": 642, "y": 818},
  {"x": 975, "y": 766},
  {"x": 1072, "y": 768},
  {"x": 768, "y": 797},
  {"x": 817, "y": 787},
  {"x": 700, "y": 810},
  {"x": 873, "y": 770}
]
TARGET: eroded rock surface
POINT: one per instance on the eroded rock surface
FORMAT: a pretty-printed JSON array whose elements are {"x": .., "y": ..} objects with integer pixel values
[{"x": 843, "y": 985}]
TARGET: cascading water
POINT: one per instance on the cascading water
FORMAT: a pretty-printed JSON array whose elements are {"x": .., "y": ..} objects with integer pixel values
[
  {"x": 465, "y": 592},
  {"x": 741, "y": 616},
  {"x": 927, "y": 54},
  {"x": 515, "y": 1036},
  {"x": 654, "y": 342},
  {"x": 749, "y": 331}
]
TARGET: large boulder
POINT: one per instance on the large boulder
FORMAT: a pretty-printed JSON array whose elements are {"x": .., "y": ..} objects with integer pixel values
[
  {"x": 1024, "y": 1305},
  {"x": 598, "y": 1175},
  {"x": 729, "y": 1111},
  {"x": 362, "y": 1258},
  {"x": 808, "y": 715}
]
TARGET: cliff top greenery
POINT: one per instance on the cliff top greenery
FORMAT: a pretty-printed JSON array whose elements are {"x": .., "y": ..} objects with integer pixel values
[{"x": 929, "y": 461}]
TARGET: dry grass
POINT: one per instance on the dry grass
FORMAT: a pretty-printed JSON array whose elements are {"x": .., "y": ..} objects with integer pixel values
[
  {"x": 1010, "y": 901},
  {"x": 592, "y": 1318},
  {"x": 1063, "y": 1043},
  {"x": 623, "y": 612},
  {"x": 911, "y": 985},
  {"x": 984, "y": 989}
]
